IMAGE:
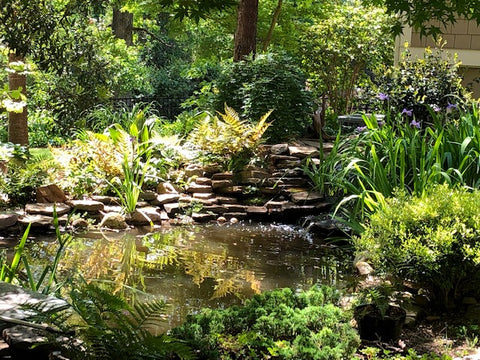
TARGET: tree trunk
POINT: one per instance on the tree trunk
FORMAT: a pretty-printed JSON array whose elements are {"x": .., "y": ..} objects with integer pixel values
[
  {"x": 17, "y": 122},
  {"x": 246, "y": 33},
  {"x": 122, "y": 25},
  {"x": 275, "y": 16}
]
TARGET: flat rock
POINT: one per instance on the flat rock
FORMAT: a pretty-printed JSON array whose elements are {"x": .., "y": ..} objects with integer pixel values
[
  {"x": 7, "y": 220},
  {"x": 279, "y": 149},
  {"x": 306, "y": 197},
  {"x": 115, "y": 221},
  {"x": 235, "y": 215},
  {"x": 235, "y": 208},
  {"x": 230, "y": 190},
  {"x": 195, "y": 188},
  {"x": 172, "y": 209},
  {"x": 50, "y": 194},
  {"x": 86, "y": 205},
  {"x": 203, "y": 181},
  {"x": 165, "y": 199},
  {"x": 226, "y": 200},
  {"x": 47, "y": 209},
  {"x": 303, "y": 151},
  {"x": 106, "y": 200},
  {"x": 217, "y": 184},
  {"x": 13, "y": 300},
  {"x": 37, "y": 221},
  {"x": 203, "y": 196},
  {"x": 223, "y": 176},
  {"x": 203, "y": 217},
  {"x": 216, "y": 209},
  {"x": 148, "y": 195}
]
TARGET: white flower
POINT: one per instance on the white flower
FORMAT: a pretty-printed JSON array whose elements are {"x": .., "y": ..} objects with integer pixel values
[{"x": 13, "y": 106}]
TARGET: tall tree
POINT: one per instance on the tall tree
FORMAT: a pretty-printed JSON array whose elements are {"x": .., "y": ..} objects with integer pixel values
[
  {"x": 32, "y": 28},
  {"x": 246, "y": 33}
]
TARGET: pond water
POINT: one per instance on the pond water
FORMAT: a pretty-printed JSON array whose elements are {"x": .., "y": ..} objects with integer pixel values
[{"x": 202, "y": 266}]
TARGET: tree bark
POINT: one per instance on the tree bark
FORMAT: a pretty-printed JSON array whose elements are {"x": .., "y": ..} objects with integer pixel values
[
  {"x": 17, "y": 122},
  {"x": 275, "y": 17},
  {"x": 122, "y": 25},
  {"x": 246, "y": 33}
]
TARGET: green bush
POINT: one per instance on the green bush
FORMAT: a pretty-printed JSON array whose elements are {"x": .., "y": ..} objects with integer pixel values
[
  {"x": 269, "y": 82},
  {"x": 337, "y": 50},
  {"x": 419, "y": 86},
  {"x": 432, "y": 240},
  {"x": 277, "y": 324}
]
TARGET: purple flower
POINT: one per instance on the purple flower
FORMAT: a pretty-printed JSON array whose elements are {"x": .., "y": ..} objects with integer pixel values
[
  {"x": 415, "y": 124},
  {"x": 381, "y": 123},
  {"x": 383, "y": 96},
  {"x": 407, "y": 112},
  {"x": 436, "y": 108},
  {"x": 451, "y": 106},
  {"x": 361, "y": 128}
]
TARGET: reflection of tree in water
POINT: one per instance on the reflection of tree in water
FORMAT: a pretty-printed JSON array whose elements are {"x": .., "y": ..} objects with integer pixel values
[{"x": 228, "y": 273}]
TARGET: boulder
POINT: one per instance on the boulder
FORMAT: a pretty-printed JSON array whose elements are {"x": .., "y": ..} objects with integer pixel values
[
  {"x": 80, "y": 224},
  {"x": 145, "y": 215},
  {"x": 50, "y": 194},
  {"x": 193, "y": 170},
  {"x": 114, "y": 221},
  {"x": 172, "y": 209}
]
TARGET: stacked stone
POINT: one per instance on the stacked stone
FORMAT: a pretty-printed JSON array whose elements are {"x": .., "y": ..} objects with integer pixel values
[{"x": 211, "y": 195}]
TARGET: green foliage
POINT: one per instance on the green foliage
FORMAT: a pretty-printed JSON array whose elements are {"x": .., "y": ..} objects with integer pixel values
[
  {"x": 422, "y": 85},
  {"x": 277, "y": 324},
  {"x": 336, "y": 51},
  {"x": 230, "y": 141},
  {"x": 384, "y": 157},
  {"x": 269, "y": 82},
  {"x": 22, "y": 174},
  {"x": 419, "y": 14},
  {"x": 67, "y": 94},
  {"x": 373, "y": 353},
  {"x": 111, "y": 328},
  {"x": 432, "y": 240}
]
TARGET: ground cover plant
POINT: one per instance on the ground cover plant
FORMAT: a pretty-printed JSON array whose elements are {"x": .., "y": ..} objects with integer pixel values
[{"x": 278, "y": 324}]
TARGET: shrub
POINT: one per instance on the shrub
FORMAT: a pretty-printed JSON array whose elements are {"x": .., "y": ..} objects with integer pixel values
[
  {"x": 269, "y": 82},
  {"x": 278, "y": 324},
  {"x": 337, "y": 50},
  {"x": 433, "y": 240},
  {"x": 422, "y": 85}
]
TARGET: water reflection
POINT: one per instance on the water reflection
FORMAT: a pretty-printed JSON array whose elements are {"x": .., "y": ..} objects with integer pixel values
[{"x": 214, "y": 266}]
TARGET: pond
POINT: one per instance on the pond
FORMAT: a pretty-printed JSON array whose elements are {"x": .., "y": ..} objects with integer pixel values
[{"x": 202, "y": 266}]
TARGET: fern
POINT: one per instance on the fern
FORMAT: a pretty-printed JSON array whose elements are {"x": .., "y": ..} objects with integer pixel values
[{"x": 228, "y": 139}]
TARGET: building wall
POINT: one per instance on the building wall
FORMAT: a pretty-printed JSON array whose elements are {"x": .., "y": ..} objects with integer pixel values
[{"x": 462, "y": 38}]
